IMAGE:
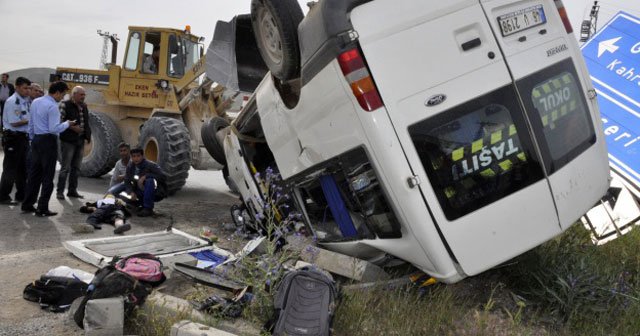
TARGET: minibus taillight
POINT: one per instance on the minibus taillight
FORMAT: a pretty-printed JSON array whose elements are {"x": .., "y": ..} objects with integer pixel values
[
  {"x": 359, "y": 78},
  {"x": 564, "y": 16}
]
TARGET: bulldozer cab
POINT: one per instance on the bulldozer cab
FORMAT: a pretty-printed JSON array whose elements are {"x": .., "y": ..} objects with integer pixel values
[{"x": 155, "y": 58}]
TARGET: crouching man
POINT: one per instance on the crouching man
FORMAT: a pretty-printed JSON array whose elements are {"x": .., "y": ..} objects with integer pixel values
[{"x": 145, "y": 181}]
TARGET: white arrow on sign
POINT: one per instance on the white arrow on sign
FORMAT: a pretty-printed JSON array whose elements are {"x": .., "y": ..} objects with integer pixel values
[{"x": 608, "y": 45}]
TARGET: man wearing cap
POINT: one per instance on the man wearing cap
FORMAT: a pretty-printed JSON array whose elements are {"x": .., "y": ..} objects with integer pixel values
[
  {"x": 15, "y": 142},
  {"x": 44, "y": 127}
]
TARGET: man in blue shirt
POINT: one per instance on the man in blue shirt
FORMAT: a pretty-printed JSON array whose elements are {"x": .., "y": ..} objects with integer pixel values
[
  {"x": 15, "y": 143},
  {"x": 44, "y": 127}
]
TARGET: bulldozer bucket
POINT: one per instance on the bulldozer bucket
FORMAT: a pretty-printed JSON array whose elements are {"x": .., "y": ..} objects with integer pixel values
[{"x": 233, "y": 59}]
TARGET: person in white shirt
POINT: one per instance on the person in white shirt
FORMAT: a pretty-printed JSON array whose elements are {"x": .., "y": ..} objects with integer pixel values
[{"x": 117, "y": 179}]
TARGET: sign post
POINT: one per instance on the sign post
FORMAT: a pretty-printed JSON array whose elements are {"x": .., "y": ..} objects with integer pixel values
[{"x": 613, "y": 58}]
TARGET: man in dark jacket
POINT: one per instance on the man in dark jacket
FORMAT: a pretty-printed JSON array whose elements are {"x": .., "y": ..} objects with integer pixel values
[
  {"x": 145, "y": 181},
  {"x": 72, "y": 142},
  {"x": 6, "y": 90}
]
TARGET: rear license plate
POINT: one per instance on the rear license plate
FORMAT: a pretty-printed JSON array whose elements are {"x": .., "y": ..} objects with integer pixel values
[{"x": 522, "y": 19}]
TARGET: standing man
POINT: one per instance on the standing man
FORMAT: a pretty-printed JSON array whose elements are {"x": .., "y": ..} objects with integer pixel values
[
  {"x": 44, "y": 127},
  {"x": 72, "y": 141},
  {"x": 15, "y": 142},
  {"x": 6, "y": 91},
  {"x": 144, "y": 181},
  {"x": 36, "y": 91}
]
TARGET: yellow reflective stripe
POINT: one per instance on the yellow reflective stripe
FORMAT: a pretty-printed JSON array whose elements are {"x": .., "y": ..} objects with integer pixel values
[
  {"x": 554, "y": 115},
  {"x": 546, "y": 88},
  {"x": 557, "y": 83},
  {"x": 522, "y": 156},
  {"x": 545, "y": 121},
  {"x": 572, "y": 105},
  {"x": 536, "y": 93},
  {"x": 457, "y": 154},
  {"x": 567, "y": 79},
  {"x": 449, "y": 192},
  {"x": 488, "y": 173},
  {"x": 496, "y": 137},
  {"x": 506, "y": 164},
  {"x": 477, "y": 145},
  {"x": 512, "y": 130},
  {"x": 564, "y": 110}
]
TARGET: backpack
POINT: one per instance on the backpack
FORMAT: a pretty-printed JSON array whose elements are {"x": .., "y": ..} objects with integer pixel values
[
  {"x": 143, "y": 266},
  {"x": 304, "y": 303},
  {"x": 110, "y": 282},
  {"x": 54, "y": 293}
]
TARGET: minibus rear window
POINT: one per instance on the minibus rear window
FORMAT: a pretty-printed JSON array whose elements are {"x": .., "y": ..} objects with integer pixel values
[
  {"x": 477, "y": 153},
  {"x": 559, "y": 115}
]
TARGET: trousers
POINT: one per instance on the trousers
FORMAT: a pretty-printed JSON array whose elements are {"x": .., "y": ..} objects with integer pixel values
[
  {"x": 14, "y": 165},
  {"x": 71, "y": 160},
  {"x": 42, "y": 168},
  {"x": 147, "y": 194}
]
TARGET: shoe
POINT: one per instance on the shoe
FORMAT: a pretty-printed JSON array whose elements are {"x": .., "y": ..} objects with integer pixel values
[
  {"x": 28, "y": 209},
  {"x": 122, "y": 228},
  {"x": 145, "y": 212},
  {"x": 60, "y": 196},
  {"x": 74, "y": 195},
  {"x": 8, "y": 201},
  {"x": 45, "y": 213},
  {"x": 82, "y": 228}
]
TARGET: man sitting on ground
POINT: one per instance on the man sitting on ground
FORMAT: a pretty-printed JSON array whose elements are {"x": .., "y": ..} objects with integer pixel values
[
  {"x": 145, "y": 181},
  {"x": 117, "y": 179}
]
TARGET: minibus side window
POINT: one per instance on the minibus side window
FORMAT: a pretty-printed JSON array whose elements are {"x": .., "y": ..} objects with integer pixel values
[
  {"x": 477, "y": 153},
  {"x": 558, "y": 112}
]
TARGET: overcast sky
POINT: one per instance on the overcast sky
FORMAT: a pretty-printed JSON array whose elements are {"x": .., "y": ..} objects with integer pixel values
[{"x": 50, "y": 33}]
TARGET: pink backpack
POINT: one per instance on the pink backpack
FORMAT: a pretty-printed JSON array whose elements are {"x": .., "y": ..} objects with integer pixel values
[{"x": 143, "y": 266}]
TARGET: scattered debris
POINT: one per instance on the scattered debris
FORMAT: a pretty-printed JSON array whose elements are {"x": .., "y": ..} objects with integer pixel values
[
  {"x": 188, "y": 328},
  {"x": 100, "y": 251},
  {"x": 615, "y": 214},
  {"x": 336, "y": 263}
]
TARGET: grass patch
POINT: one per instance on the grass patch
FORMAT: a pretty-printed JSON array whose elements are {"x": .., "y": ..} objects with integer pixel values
[
  {"x": 567, "y": 286},
  {"x": 400, "y": 311}
]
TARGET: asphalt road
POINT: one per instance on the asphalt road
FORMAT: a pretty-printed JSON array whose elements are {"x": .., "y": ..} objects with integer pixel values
[{"x": 30, "y": 246}]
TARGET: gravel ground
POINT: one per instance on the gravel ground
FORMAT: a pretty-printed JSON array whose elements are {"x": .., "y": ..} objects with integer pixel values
[{"x": 30, "y": 246}]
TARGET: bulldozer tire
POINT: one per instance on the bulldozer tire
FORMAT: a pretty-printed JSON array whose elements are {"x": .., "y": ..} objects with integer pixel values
[
  {"x": 275, "y": 23},
  {"x": 211, "y": 143},
  {"x": 101, "y": 154},
  {"x": 166, "y": 142}
]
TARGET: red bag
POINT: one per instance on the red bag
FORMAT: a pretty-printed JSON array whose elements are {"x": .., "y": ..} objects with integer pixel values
[{"x": 143, "y": 266}]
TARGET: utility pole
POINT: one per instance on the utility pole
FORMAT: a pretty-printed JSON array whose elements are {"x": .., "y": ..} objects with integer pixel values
[
  {"x": 105, "y": 47},
  {"x": 589, "y": 27}
]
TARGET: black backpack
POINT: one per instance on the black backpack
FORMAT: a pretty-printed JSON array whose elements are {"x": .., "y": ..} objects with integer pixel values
[
  {"x": 304, "y": 303},
  {"x": 54, "y": 293},
  {"x": 110, "y": 282}
]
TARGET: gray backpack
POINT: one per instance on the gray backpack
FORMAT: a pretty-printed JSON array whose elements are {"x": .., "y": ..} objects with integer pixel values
[{"x": 304, "y": 303}]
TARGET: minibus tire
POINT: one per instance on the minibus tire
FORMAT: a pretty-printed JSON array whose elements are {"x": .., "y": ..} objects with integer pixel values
[
  {"x": 211, "y": 143},
  {"x": 280, "y": 51}
]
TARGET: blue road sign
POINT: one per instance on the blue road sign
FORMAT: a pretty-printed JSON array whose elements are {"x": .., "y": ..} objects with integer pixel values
[{"x": 613, "y": 58}]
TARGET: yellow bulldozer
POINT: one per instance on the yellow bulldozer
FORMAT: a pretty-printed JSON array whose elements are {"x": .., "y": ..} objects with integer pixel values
[{"x": 158, "y": 100}]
